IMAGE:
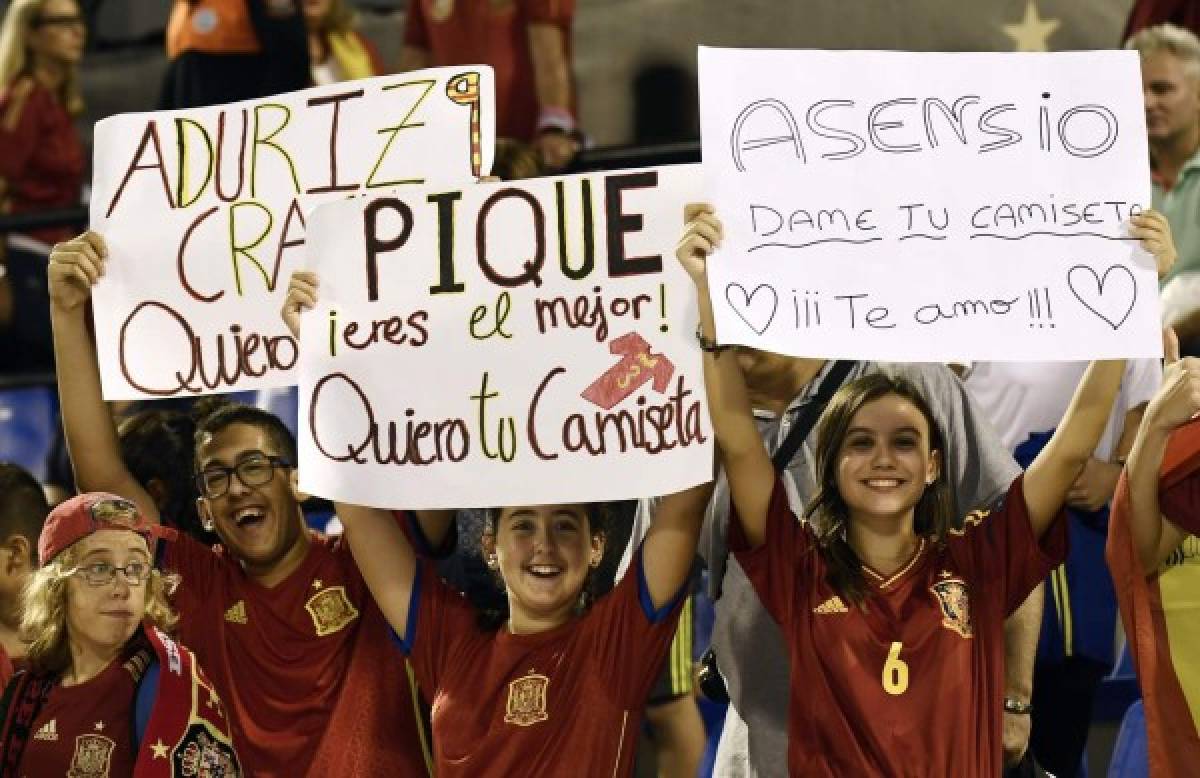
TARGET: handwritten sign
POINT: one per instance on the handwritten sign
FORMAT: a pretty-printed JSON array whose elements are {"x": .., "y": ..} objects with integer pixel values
[
  {"x": 205, "y": 212},
  {"x": 912, "y": 207},
  {"x": 504, "y": 344}
]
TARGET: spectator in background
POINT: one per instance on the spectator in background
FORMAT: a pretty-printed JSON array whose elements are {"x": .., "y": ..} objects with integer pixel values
[
  {"x": 222, "y": 51},
  {"x": 1025, "y": 401},
  {"x": 336, "y": 51},
  {"x": 23, "y": 510},
  {"x": 527, "y": 42},
  {"x": 41, "y": 163},
  {"x": 1170, "y": 59}
]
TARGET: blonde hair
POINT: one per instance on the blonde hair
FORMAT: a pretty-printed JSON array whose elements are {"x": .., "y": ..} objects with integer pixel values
[
  {"x": 1172, "y": 39},
  {"x": 14, "y": 53},
  {"x": 44, "y": 616}
]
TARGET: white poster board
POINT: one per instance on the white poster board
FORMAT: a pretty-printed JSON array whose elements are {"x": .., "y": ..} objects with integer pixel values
[
  {"x": 929, "y": 207},
  {"x": 504, "y": 344},
  {"x": 204, "y": 214}
]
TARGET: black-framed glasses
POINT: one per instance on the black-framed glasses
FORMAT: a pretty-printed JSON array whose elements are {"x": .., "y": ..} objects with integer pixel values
[
  {"x": 60, "y": 20},
  {"x": 104, "y": 573},
  {"x": 213, "y": 482}
]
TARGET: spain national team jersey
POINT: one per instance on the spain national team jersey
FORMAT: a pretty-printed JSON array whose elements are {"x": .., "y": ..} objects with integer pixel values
[
  {"x": 562, "y": 703},
  {"x": 913, "y": 684},
  {"x": 312, "y": 681},
  {"x": 84, "y": 730},
  {"x": 1161, "y": 612}
]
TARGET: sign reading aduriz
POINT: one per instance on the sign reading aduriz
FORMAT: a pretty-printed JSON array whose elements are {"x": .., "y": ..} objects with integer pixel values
[
  {"x": 204, "y": 212},
  {"x": 927, "y": 207}
]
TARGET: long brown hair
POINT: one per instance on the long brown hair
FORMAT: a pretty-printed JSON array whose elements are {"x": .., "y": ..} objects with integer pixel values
[{"x": 828, "y": 513}]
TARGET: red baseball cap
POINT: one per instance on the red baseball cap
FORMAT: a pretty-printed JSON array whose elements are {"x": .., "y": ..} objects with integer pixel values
[{"x": 80, "y": 516}]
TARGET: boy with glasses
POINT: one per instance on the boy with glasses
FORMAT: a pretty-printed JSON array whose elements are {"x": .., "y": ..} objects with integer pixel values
[{"x": 278, "y": 615}]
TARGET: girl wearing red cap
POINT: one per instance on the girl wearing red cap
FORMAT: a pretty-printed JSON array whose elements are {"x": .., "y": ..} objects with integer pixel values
[{"x": 106, "y": 692}]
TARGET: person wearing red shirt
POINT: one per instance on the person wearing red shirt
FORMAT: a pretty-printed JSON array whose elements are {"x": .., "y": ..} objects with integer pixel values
[
  {"x": 1156, "y": 511},
  {"x": 280, "y": 616},
  {"x": 527, "y": 43},
  {"x": 895, "y": 621},
  {"x": 107, "y": 692},
  {"x": 23, "y": 510},
  {"x": 557, "y": 686},
  {"x": 41, "y": 163}
]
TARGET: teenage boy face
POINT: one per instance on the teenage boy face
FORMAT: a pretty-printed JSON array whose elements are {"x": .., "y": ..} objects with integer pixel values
[{"x": 260, "y": 523}]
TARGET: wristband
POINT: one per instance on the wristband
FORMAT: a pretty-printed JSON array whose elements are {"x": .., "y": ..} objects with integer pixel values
[
  {"x": 559, "y": 119},
  {"x": 1013, "y": 705},
  {"x": 706, "y": 345}
]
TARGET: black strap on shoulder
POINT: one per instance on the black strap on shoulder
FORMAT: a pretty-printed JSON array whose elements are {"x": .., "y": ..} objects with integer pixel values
[
  {"x": 23, "y": 700},
  {"x": 808, "y": 415}
]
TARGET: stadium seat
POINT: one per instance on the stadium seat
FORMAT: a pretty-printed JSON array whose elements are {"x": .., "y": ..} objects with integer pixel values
[
  {"x": 28, "y": 422},
  {"x": 1129, "y": 758}
]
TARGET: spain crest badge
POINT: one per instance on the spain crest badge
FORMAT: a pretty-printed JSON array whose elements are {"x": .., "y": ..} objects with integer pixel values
[
  {"x": 331, "y": 610},
  {"x": 954, "y": 599},
  {"x": 527, "y": 700}
]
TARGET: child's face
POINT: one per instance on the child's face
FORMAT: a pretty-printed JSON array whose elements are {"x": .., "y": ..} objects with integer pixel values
[
  {"x": 103, "y": 615},
  {"x": 544, "y": 553},
  {"x": 885, "y": 461}
]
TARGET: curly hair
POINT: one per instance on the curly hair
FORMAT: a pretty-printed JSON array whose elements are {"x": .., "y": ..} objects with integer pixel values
[{"x": 44, "y": 616}]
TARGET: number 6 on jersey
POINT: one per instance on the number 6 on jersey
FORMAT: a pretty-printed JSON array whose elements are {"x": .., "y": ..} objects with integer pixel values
[{"x": 895, "y": 671}]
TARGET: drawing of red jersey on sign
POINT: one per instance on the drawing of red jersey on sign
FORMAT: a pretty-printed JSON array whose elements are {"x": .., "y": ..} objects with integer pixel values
[{"x": 637, "y": 366}]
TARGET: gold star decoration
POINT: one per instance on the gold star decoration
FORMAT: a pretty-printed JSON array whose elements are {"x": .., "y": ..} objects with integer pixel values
[
  {"x": 1033, "y": 32},
  {"x": 99, "y": 726},
  {"x": 160, "y": 749},
  {"x": 317, "y": 583}
]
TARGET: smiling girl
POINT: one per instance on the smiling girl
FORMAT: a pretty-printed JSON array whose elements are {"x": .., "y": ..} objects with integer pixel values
[{"x": 893, "y": 607}]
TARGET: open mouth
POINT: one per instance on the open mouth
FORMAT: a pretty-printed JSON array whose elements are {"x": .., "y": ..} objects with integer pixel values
[
  {"x": 544, "y": 572},
  {"x": 883, "y": 483},
  {"x": 249, "y": 517}
]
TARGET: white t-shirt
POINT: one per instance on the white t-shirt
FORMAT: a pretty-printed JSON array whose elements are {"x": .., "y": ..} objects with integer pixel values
[{"x": 1024, "y": 398}]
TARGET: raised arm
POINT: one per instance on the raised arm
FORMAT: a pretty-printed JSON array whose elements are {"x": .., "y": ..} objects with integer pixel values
[
  {"x": 743, "y": 455},
  {"x": 1049, "y": 478},
  {"x": 384, "y": 557},
  {"x": 75, "y": 267},
  {"x": 1178, "y": 399},
  {"x": 670, "y": 545}
]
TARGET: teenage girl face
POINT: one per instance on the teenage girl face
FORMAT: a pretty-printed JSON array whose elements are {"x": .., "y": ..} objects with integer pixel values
[
  {"x": 58, "y": 32},
  {"x": 885, "y": 461},
  {"x": 102, "y": 616},
  {"x": 544, "y": 553}
]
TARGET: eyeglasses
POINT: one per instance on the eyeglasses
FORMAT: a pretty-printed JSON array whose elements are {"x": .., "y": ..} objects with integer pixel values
[
  {"x": 213, "y": 482},
  {"x": 61, "y": 20},
  {"x": 104, "y": 573}
]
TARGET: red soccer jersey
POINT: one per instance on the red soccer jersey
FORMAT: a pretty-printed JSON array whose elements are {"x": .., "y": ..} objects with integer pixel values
[
  {"x": 914, "y": 685},
  {"x": 306, "y": 668},
  {"x": 1158, "y": 611},
  {"x": 41, "y": 157},
  {"x": 84, "y": 730},
  {"x": 468, "y": 32},
  {"x": 566, "y": 702}
]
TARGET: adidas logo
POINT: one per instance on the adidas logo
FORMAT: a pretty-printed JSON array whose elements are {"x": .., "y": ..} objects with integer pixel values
[
  {"x": 48, "y": 731},
  {"x": 237, "y": 613},
  {"x": 833, "y": 605}
]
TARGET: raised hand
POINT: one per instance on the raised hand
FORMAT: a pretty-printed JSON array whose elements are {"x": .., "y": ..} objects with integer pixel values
[
  {"x": 301, "y": 296},
  {"x": 702, "y": 233},
  {"x": 74, "y": 268},
  {"x": 1178, "y": 399},
  {"x": 1154, "y": 232}
]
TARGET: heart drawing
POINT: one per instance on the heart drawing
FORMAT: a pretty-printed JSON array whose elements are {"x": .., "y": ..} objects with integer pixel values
[
  {"x": 744, "y": 306},
  {"x": 1111, "y": 299}
]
